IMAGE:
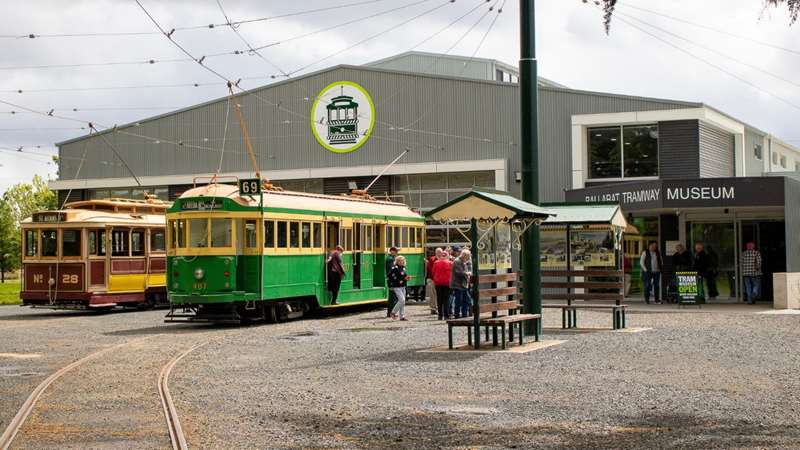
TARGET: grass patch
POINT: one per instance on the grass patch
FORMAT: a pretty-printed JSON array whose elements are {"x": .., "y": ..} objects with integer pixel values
[{"x": 9, "y": 292}]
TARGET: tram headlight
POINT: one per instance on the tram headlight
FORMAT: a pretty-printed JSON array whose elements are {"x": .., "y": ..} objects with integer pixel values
[{"x": 198, "y": 273}]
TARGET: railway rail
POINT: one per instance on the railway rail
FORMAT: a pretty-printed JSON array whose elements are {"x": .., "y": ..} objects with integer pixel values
[
  {"x": 176, "y": 435},
  {"x": 170, "y": 413},
  {"x": 27, "y": 407}
]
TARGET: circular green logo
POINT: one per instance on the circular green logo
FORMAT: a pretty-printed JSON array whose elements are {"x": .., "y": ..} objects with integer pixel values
[{"x": 342, "y": 117}]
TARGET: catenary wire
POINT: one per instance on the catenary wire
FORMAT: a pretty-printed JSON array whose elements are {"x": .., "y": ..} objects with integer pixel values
[
  {"x": 709, "y": 63},
  {"x": 185, "y": 28},
  {"x": 235, "y": 30},
  {"x": 709, "y": 28},
  {"x": 371, "y": 37},
  {"x": 710, "y": 49}
]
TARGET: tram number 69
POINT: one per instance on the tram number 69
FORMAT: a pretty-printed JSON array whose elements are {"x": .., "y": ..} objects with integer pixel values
[
  {"x": 250, "y": 186},
  {"x": 69, "y": 279}
]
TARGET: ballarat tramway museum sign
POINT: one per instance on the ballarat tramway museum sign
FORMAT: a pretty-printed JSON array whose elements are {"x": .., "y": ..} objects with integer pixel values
[{"x": 695, "y": 193}]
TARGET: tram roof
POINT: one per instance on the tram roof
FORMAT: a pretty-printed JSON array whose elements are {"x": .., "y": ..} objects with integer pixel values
[
  {"x": 113, "y": 210},
  {"x": 291, "y": 200}
]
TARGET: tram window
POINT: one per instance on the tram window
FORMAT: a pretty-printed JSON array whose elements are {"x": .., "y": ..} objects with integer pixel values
[
  {"x": 137, "y": 243},
  {"x": 157, "y": 243},
  {"x": 317, "y": 235},
  {"x": 221, "y": 232},
  {"x": 294, "y": 234},
  {"x": 368, "y": 240},
  {"x": 119, "y": 243},
  {"x": 250, "y": 234},
  {"x": 49, "y": 243},
  {"x": 348, "y": 239},
  {"x": 31, "y": 243},
  {"x": 420, "y": 237},
  {"x": 71, "y": 243},
  {"x": 92, "y": 235},
  {"x": 102, "y": 239},
  {"x": 389, "y": 236},
  {"x": 398, "y": 237},
  {"x": 178, "y": 230},
  {"x": 269, "y": 234},
  {"x": 305, "y": 234},
  {"x": 282, "y": 234},
  {"x": 198, "y": 233},
  {"x": 405, "y": 238}
]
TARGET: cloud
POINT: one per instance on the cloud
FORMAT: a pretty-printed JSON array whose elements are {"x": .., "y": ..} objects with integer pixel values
[{"x": 573, "y": 50}]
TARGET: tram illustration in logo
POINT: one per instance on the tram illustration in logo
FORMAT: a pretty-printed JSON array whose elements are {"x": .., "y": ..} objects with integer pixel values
[{"x": 342, "y": 117}]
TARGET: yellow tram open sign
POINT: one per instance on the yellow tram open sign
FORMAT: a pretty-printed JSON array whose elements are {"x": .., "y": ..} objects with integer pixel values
[{"x": 251, "y": 186}]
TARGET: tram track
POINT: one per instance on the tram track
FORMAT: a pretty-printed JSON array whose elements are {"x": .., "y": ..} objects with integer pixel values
[
  {"x": 176, "y": 435},
  {"x": 27, "y": 407}
]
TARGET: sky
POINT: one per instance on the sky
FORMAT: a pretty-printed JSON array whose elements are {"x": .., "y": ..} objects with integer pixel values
[{"x": 747, "y": 70}]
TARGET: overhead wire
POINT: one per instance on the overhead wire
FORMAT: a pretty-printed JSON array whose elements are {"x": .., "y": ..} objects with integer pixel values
[
  {"x": 710, "y": 49},
  {"x": 709, "y": 28},
  {"x": 709, "y": 63},
  {"x": 193, "y": 27},
  {"x": 235, "y": 30},
  {"x": 372, "y": 36}
]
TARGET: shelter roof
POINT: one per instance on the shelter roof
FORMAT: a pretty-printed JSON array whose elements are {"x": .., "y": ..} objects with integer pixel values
[
  {"x": 481, "y": 203},
  {"x": 598, "y": 213}
]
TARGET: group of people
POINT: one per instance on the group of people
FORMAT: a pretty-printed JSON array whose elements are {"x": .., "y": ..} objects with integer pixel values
[
  {"x": 449, "y": 271},
  {"x": 396, "y": 280},
  {"x": 705, "y": 263}
]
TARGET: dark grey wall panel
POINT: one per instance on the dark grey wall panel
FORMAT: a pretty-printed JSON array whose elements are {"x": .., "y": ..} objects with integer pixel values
[
  {"x": 336, "y": 186},
  {"x": 75, "y": 195},
  {"x": 438, "y": 118},
  {"x": 792, "y": 217},
  {"x": 678, "y": 144},
  {"x": 716, "y": 152}
]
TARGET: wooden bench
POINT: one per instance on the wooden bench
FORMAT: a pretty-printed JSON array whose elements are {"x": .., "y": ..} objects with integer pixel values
[
  {"x": 569, "y": 316},
  {"x": 505, "y": 322}
]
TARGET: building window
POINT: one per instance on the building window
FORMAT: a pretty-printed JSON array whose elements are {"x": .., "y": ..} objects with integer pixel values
[
  {"x": 774, "y": 159},
  {"x": 758, "y": 151},
  {"x": 783, "y": 161},
  {"x": 797, "y": 167},
  {"x": 623, "y": 152}
]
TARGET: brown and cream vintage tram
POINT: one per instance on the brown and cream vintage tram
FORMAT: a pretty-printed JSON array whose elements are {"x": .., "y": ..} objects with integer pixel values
[{"x": 95, "y": 254}]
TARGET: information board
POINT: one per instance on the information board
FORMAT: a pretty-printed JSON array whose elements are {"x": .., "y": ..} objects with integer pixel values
[{"x": 689, "y": 288}]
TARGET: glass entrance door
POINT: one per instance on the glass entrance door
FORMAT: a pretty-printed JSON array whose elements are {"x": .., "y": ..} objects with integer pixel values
[
  {"x": 769, "y": 238},
  {"x": 719, "y": 242}
]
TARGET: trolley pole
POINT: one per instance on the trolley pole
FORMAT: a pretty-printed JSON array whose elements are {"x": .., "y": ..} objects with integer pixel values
[{"x": 529, "y": 145}]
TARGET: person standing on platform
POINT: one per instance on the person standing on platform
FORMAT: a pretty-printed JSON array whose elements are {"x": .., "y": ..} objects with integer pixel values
[
  {"x": 442, "y": 271},
  {"x": 700, "y": 264},
  {"x": 651, "y": 264},
  {"x": 459, "y": 283},
  {"x": 681, "y": 259},
  {"x": 430, "y": 286},
  {"x": 751, "y": 273},
  {"x": 398, "y": 278},
  {"x": 335, "y": 272},
  {"x": 388, "y": 264}
]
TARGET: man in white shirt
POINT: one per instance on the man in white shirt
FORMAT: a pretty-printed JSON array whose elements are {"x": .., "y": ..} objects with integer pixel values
[{"x": 651, "y": 264}]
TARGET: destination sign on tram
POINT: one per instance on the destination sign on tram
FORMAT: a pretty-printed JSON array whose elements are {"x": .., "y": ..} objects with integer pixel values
[
  {"x": 201, "y": 205},
  {"x": 49, "y": 217}
]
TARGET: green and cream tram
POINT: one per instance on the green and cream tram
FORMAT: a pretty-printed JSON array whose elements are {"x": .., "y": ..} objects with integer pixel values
[{"x": 232, "y": 256}]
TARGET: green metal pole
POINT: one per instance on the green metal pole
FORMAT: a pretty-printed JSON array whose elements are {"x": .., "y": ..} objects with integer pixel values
[
  {"x": 476, "y": 298},
  {"x": 529, "y": 145}
]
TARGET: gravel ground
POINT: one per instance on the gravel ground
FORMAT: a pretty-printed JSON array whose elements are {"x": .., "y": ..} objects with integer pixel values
[{"x": 720, "y": 377}]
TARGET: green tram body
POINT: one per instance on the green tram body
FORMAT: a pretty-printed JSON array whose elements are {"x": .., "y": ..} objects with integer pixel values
[{"x": 218, "y": 241}]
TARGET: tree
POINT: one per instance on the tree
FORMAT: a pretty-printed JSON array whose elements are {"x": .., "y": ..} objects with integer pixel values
[
  {"x": 17, "y": 203},
  {"x": 793, "y": 5}
]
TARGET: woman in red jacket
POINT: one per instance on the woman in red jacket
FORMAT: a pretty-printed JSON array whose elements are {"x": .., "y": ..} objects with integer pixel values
[{"x": 441, "y": 280}]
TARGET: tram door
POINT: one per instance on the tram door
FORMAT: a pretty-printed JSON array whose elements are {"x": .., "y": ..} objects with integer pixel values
[
  {"x": 357, "y": 256},
  {"x": 331, "y": 241}
]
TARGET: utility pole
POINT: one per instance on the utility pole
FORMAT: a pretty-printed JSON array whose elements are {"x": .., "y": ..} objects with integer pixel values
[{"x": 529, "y": 146}]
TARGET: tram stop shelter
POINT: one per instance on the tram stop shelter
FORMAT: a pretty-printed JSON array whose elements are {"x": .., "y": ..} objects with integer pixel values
[
  {"x": 494, "y": 223},
  {"x": 582, "y": 260}
]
